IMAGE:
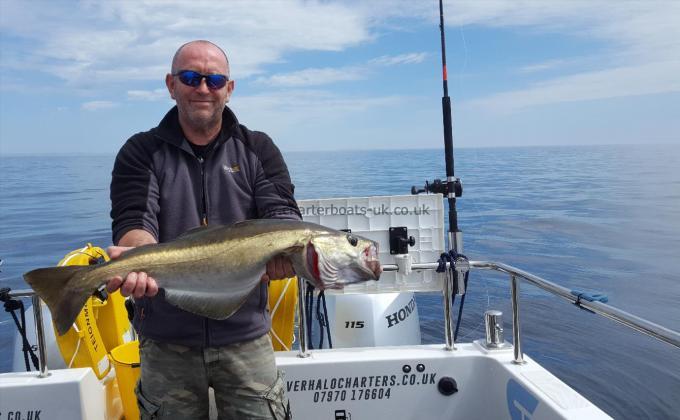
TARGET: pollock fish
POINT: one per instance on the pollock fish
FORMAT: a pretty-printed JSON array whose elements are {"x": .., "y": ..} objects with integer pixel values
[{"x": 210, "y": 271}]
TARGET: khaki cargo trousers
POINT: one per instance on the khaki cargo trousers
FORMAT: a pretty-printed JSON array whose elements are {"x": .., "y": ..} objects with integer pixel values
[{"x": 175, "y": 379}]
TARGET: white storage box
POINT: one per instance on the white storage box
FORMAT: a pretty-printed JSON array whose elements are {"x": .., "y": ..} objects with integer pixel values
[{"x": 372, "y": 217}]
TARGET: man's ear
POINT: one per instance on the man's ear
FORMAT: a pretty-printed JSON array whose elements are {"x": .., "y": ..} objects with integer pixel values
[
  {"x": 230, "y": 89},
  {"x": 170, "y": 83}
]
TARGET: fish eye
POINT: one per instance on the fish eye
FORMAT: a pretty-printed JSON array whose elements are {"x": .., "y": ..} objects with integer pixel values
[{"x": 352, "y": 240}]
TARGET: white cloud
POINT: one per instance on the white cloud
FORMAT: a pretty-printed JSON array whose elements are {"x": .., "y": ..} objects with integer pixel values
[
  {"x": 101, "y": 42},
  {"x": 643, "y": 79},
  {"x": 97, "y": 105},
  {"x": 322, "y": 76},
  {"x": 392, "y": 60},
  {"x": 306, "y": 119},
  {"x": 641, "y": 39},
  {"x": 94, "y": 44},
  {"x": 148, "y": 95},
  {"x": 307, "y": 102},
  {"x": 313, "y": 77},
  {"x": 543, "y": 66}
]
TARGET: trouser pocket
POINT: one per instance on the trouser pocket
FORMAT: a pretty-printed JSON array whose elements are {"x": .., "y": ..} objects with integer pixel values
[
  {"x": 148, "y": 410},
  {"x": 276, "y": 398}
]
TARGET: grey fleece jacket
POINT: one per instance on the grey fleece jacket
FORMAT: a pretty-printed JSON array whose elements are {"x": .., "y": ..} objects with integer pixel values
[{"x": 159, "y": 185}]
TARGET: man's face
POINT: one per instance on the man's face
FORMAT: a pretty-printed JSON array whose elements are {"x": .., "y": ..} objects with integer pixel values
[{"x": 199, "y": 106}]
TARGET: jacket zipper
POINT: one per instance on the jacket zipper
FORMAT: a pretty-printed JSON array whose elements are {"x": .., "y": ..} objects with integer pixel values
[
  {"x": 204, "y": 222},
  {"x": 204, "y": 218}
]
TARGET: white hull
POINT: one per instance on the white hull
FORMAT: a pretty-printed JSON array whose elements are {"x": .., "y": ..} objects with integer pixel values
[
  {"x": 350, "y": 384},
  {"x": 372, "y": 383}
]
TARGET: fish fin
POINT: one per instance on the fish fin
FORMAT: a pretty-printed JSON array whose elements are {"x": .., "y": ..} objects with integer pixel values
[
  {"x": 65, "y": 291},
  {"x": 210, "y": 305}
]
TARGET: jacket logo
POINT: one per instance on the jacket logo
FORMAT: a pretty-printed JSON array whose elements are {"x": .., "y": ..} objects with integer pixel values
[{"x": 232, "y": 169}]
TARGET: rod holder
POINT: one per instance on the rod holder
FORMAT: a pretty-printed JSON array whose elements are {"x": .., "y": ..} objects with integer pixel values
[
  {"x": 302, "y": 321},
  {"x": 448, "y": 322},
  {"x": 516, "y": 334},
  {"x": 493, "y": 322},
  {"x": 40, "y": 332}
]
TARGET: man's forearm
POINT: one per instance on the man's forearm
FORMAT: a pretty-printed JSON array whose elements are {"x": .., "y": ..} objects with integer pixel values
[{"x": 136, "y": 237}]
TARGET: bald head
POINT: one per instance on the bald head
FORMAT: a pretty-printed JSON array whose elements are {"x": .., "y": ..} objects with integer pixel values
[
  {"x": 200, "y": 106},
  {"x": 176, "y": 58}
]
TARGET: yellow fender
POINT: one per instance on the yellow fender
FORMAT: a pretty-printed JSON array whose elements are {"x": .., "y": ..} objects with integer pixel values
[
  {"x": 282, "y": 303},
  {"x": 99, "y": 327}
]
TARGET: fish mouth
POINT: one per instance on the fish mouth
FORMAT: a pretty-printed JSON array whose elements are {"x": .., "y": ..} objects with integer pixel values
[
  {"x": 372, "y": 262},
  {"x": 375, "y": 268},
  {"x": 365, "y": 267}
]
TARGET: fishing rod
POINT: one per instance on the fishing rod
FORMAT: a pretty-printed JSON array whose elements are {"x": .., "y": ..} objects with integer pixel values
[
  {"x": 457, "y": 277},
  {"x": 459, "y": 268},
  {"x": 452, "y": 187}
]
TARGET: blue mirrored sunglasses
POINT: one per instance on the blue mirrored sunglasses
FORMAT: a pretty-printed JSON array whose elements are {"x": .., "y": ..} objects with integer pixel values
[{"x": 193, "y": 79}]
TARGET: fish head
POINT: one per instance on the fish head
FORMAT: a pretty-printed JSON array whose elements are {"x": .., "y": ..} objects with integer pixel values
[{"x": 334, "y": 260}]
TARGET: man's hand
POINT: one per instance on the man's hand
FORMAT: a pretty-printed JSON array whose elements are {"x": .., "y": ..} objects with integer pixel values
[
  {"x": 278, "y": 268},
  {"x": 135, "y": 284}
]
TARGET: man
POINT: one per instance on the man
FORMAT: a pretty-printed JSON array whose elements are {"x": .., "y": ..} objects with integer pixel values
[{"x": 200, "y": 167}]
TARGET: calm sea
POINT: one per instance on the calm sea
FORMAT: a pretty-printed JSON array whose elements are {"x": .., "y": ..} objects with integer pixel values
[{"x": 603, "y": 218}]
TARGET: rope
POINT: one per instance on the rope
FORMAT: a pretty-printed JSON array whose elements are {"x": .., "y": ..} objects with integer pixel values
[
  {"x": 309, "y": 305},
  {"x": 274, "y": 335},
  {"x": 281, "y": 296},
  {"x": 75, "y": 352},
  {"x": 325, "y": 312},
  {"x": 321, "y": 316},
  {"x": 460, "y": 308},
  {"x": 12, "y": 305},
  {"x": 75, "y": 253}
]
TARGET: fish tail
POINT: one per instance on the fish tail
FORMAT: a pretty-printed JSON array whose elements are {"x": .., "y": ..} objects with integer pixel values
[{"x": 65, "y": 291}]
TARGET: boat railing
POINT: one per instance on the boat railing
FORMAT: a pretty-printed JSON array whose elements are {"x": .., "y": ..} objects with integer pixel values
[
  {"x": 629, "y": 320},
  {"x": 39, "y": 327}
]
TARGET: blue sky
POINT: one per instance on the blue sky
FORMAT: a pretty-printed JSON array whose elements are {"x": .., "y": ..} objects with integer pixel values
[{"x": 83, "y": 76}]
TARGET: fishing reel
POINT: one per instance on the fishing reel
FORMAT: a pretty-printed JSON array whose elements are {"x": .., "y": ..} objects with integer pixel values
[{"x": 439, "y": 186}]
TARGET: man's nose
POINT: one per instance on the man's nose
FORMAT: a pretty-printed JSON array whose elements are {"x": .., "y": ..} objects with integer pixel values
[{"x": 203, "y": 86}]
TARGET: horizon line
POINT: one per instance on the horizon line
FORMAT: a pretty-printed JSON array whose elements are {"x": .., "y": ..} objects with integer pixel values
[{"x": 378, "y": 149}]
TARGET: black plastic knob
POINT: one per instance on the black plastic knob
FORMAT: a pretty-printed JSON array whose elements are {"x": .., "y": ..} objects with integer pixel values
[{"x": 447, "y": 386}]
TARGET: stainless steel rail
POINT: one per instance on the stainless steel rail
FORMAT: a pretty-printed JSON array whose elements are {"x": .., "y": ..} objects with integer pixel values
[
  {"x": 448, "y": 308},
  {"x": 629, "y": 320},
  {"x": 40, "y": 332},
  {"x": 21, "y": 293},
  {"x": 39, "y": 327},
  {"x": 302, "y": 319},
  {"x": 516, "y": 330}
]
